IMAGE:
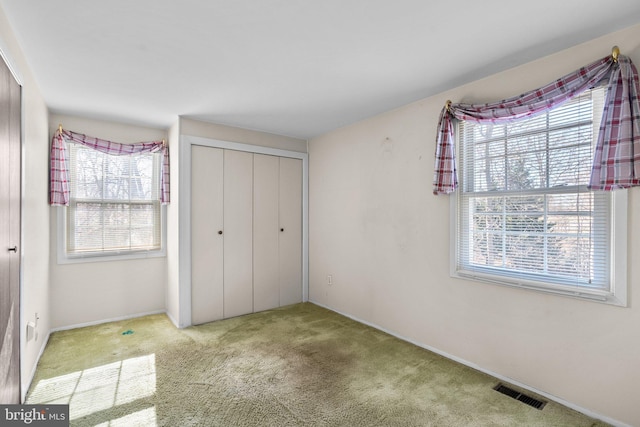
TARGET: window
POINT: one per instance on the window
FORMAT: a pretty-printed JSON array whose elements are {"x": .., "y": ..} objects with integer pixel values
[
  {"x": 114, "y": 207},
  {"x": 524, "y": 214}
]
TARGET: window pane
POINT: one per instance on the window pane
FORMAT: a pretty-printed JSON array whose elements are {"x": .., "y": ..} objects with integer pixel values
[
  {"x": 530, "y": 204},
  {"x": 489, "y": 175},
  {"x": 488, "y": 249},
  {"x": 571, "y": 257},
  {"x": 488, "y": 132},
  {"x": 88, "y": 174},
  {"x": 86, "y": 228},
  {"x": 117, "y": 177},
  {"x": 525, "y": 252},
  {"x": 527, "y": 171},
  {"x": 571, "y": 202},
  {"x": 144, "y": 221},
  {"x": 578, "y": 110},
  {"x": 142, "y": 178},
  {"x": 570, "y": 166},
  {"x": 116, "y": 226},
  {"x": 540, "y": 223},
  {"x": 534, "y": 124},
  {"x": 114, "y": 202}
]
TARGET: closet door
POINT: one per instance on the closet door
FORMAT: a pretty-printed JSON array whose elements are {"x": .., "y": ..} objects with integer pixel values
[
  {"x": 238, "y": 233},
  {"x": 207, "y": 297},
  {"x": 266, "y": 288},
  {"x": 10, "y": 198},
  {"x": 246, "y": 233},
  {"x": 290, "y": 241}
]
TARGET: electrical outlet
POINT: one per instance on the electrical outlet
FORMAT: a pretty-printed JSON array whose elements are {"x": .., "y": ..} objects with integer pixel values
[{"x": 329, "y": 280}]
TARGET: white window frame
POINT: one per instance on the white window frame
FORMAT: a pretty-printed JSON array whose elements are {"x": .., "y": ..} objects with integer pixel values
[
  {"x": 615, "y": 295},
  {"x": 64, "y": 257}
]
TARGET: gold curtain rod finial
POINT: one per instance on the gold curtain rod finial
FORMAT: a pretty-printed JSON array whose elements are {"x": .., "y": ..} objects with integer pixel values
[
  {"x": 60, "y": 128},
  {"x": 448, "y": 105},
  {"x": 614, "y": 53}
]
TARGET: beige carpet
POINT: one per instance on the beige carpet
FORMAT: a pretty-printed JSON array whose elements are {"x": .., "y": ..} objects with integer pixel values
[{"x": 300, "y": 365}]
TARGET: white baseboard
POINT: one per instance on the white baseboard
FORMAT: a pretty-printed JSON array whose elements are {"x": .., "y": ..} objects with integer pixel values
[
  {"x": 114, "y": 319},
  {"x": 556, "y": 399}
]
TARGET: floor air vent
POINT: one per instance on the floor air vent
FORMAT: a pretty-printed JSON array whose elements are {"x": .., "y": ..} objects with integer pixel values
[{"x": 538, "y": 404}]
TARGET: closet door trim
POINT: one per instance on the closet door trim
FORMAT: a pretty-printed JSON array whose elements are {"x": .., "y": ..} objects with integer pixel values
[{"x": 184, "y": 226}]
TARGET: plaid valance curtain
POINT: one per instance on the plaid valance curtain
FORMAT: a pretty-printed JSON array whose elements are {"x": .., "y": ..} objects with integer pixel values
[
  {"x": 616, "y": 162},
  {"x": 59, "y": 169}
]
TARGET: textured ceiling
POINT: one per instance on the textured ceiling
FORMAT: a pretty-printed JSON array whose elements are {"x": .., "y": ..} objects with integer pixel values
[{"x": 292, "y": 67}]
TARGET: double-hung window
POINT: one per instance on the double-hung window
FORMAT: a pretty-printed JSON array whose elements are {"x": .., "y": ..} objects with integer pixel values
[
  {"x": 114, "y": 208},
  {"x": 525, "y": 216}
]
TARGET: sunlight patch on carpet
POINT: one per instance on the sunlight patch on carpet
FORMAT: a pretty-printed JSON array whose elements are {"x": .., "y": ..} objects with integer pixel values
[{"x": 102, "y": 387}]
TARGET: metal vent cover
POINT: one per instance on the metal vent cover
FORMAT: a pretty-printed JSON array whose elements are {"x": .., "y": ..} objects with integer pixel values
[{"x": 528, "y": 400}]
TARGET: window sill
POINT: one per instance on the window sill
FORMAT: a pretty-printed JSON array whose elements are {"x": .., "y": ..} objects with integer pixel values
[
  {"x": 99, "y": 257},
  {"x": 586, "y": 294}
]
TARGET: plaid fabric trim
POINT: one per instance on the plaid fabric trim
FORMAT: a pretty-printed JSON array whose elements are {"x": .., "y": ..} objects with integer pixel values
[
  {"x": 58, "y": 172},
  {"x": 445, "y": 176},
  {"x": 59, "y": 169},
  {"x": 538, "y": 100},
  {"x": 619, "y": 160},
  {"x": 616, "y": 161}
]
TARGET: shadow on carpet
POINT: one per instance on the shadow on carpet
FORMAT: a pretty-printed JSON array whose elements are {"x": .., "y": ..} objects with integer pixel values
[{"x": 300, "y": 365}]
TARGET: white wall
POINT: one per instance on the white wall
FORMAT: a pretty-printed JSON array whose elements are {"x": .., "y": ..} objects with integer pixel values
[
  {"x": 378, "y": 230},
  {"x": 243, "y": 136},
  {"x": 172, "y": 297},
  {"x": 97, "y": 291},
  {"x": 35, "y": 211}
]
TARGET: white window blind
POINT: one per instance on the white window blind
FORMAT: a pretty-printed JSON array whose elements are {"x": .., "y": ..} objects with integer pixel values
[
  {"x": 114, "y": 206},
  {"x": 525, "y": 215}
]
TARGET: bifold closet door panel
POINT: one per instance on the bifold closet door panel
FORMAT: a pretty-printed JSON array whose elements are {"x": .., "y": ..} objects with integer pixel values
[
  {"x": 266, "y": 289},
  {"x": 238, "y": 233},
  {"x": 10, "y": 198},
  {"x": 290, "y": 242},
  {"x": 207, "y": 278}
]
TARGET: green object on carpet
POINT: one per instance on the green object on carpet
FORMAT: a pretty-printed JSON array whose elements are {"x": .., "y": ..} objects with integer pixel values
[
  {"x": 127, "y": 332},
  {"x": 300, "y": 365}
]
